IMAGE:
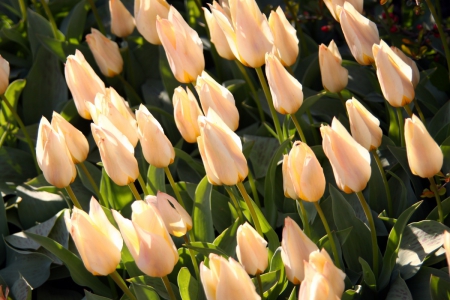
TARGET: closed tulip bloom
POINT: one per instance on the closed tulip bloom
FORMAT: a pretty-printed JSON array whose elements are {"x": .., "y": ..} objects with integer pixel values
[
  {"x": 122, "y": 22},
  {"x": 4, "y": 75},
  {"x": 186, "y": 113},
  {"x": 251, "y": 250},
  {"x": 183, "y": 46},
  {"x": 286, "y": 91},
  {"x": 219, "y": 98},
  {"x": 217, "y": 36},
  {"x": 333, "y": 4},
  {"x": 148, "y": 240},
  {"x": 360, "y": 33},
  {"x": 175, "y": 217},
  {"x": 83, "y": 83},
  {"x": 288, "y": 186},
  {"x": 226, "y": 279},
  {"x": 106, "y": 53},
  {"x": 53, "y": 157},
  {"x": 446, "y": 243},
  {"x": 415, "y": 71},
  {"x": 334, "y": 75},
  {"x": 350, "y": 161},
  {"x": 394, "y": 75},
  {"x": 145, "y": 13},
  {"x": 285, "y": 39},
  {"x": 425, "y": 158},
  {"x": 306, "y": 173},
  {"x": 221, "y": 151},
  {"x": 295, "y": 249},
  {"x": 364, "y": 126},
  {"x": 158, "y": 150},
  {"x": 75, "y": 140},
  {"x": 116, "y": 152},
  {"x": 98, "y": 242}
]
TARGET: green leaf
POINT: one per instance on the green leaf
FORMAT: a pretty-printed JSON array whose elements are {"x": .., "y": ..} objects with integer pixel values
[
  {"x": 445, "y": 147},
  {"x": 89, "y": 296},
  {"x": 12, "y": 94},
  {"x": 194, "y": 164},
  {"x": 439, "y": 288},
  {"x": 398, "y": 187},
  {"x": 440, "y": 120},
  {"x": 234, "y": 84},
  {"x": 144, "y": 292},
  {"x": 227, "y": 239},
  {"x": 21, "y": 289},
  {"x": 399, "y": 291},
  {"x": 95, "y": 173},
  {"x": 201, "y": 215},
  {"x": 269, "y": 282},
  {"x": 206, "y": 248},
  {"x": 294, "y": 293},
  {"x": 368, "y": 276},
  {"x": 394, "y": 127},
  {"x": 15, "y": 168},
  {"x": 276, "y": 264},
  {"x": 361, "y": 80},
  {"x": 4, "y": 231},
  {"x": 187, "y": 284},
  {"x": 307, "y": 103},
  {"x": 419, "y": 285},
  {"x": 156, "y": 180},
  {"x": 118, "y": 196},
  {"x": 400, "y": 156},
  {"x": 75, "y": 21},
  {"x": 38, "y": 25},
  {"x": 156, "y": 283},
  {"x": 434, "y": 214}
]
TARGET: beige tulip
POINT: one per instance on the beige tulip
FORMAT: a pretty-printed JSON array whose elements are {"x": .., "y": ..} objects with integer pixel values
[
  {"x": 288, "y": 186},
  {"x": 333, "y": 4},
  {"x": 145, "y": 13},
  {"x": 122, "y": 22},
  {"x": 186, "y": 113},
  {"x": 446, "y": 242},
  {"x": 4, "y": 75},
  {"x": 251, "y": 250},
  {"x": 217, "y": 36},
  {"x": 106, "y": 53},
  {"x": 334, "y": 75},
  {"x": 285, "y": 39},
  {"x": 415, "y": 71}
]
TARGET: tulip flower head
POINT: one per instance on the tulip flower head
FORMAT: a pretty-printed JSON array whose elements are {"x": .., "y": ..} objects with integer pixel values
[
  {"x": 122, "y": 22},
  {"x": 415, "y": 71},
  {"x": 284, "y": 37},
  {"x": 251, "y": 250},
  {"x": 186, "y": 113},
  {"x": 334, "y": 75},
  {"x": 333, "y": 4},
  {"x": 288, "y": 186},
  {"x": 106, "y": 53},
  {"x": 446, "y": 242},
  {"x": 145, "y": 13},
  {"x": 4, "y": 75}
]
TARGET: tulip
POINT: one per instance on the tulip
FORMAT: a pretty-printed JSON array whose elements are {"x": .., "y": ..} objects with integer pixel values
[
  {"x": 333, "y": 4},
  {"x": 98, "y": 242},
  {"x": 446, "y": 243},
  {"x": 122, "y": 22},
  {"x": 183, "y": 46},
  {"x": 53, "y": 157},
  {"x": 145, "y": 13},
  {"x": 106, "y": 53},
  {"x": 322, "y": 279},
  {"x": 395, "y": 76},
  {"x": 425, "y": 158},
  {"x": 350, "y": 161},
  {"x": 246, "y": 30},
  {"x": 415, "y": 71},
  {"x": 288, "y": 186},
  {"x": 360, "y": 33},
  {"x": 148, "y": 240},
  {"x": 83, "y": 83},
  {"x": 217, "y": 36},
  {"x": 334, "y": 76},
  {"x": 75, "y": 140},
  {"x": 251, "y": 250},
  {"x": 284, "y": 38},
  {"x": 158, "y": 150},
  {"x": 295, "y": 248},
  {"x": 4, "y": 75},
  {"x": 221, "y": 151},
  {"x": 219, "y": 98},
  {"x": 226, "y": 279},
  {"x": 286, "y": 91},
  {"x": 306, "y": 173},
  {"x": 186, "y": 113},
  {"x": 364, "y": 126},
  {"x": 175, "y": 217},
  {"x": 116, "y": 152}
]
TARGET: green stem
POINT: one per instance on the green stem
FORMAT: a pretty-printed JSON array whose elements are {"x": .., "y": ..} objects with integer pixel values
[
  {"x": 343, "y": 102},
  {"x": 330, "y": 235},
  {"x": 273, "y": 112},
  {"x": 311, "y": 122},
  {"x": 143, "y": 186},
  {"x": 97, "y": 17},
  {"x": 236, "y": 204},
  {"x": 247, "y": 199},
  {"x": 168, "y": 287},
  {"x": 49, "y": 14},
  {"x": 5, "y": 134},
  {"x": 373, "y": 233},
  {"x": 94, "y": 185},
  {"x": 401, "y": 126},
  {"x": 128, "y": 86},
  {"x": 408, "y": 110},
  {"x": 385, "y": 182},
  {"x": 73, "y": 197},
  {"x": 261, "y": 291},
  {"x": 299, "y": 128},
  {"x": 438, "y": 199},
  {"x": 193, "y": 259},
  {"x": 419, "y": 111},
  {"x": 135, "y": 192},
  {"x": 119, "y": 281},
  {"x": 113, "y": 288},
  {"x": 251, "y": 181},
  {"x": 304, "y": 218},
  {"x": 23, "y": 9},
  {"x": 174, "y": 186}
]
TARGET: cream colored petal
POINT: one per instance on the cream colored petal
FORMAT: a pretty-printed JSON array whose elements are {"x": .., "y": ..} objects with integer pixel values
[
  {"x": 122, "y": 22},
  {"x": 128, "y": 233}
]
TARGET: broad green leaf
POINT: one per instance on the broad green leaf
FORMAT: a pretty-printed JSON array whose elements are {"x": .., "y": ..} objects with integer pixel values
[
  {"x": 308, "y": 102},
  {"x": 294, "y": 293},
  {"x": 261, "y": 153},
  {"x": 419, "y": 285},
  {"x": 399, "y": 290},
  {"x": 227, "y": 239},
  {"x": 12, "y": 94},
  {"x": 61, "y": 49},
  {"x": 398, "y": 192},
  {"x": 144, "y": 292},
  {"x": 440, "y": 120},
  {"x": 90, "y": 296},
  {"x": 156, "y": 180},
  {"x": 361, "y": 80},
  {"x": 394, "y": 128},
  {"x": 269, "y": 282},
  {"x": 38, "y": 25},
  {"x": 439, "y": 288},
  {"x": 445, "y": 147},
  {"x": 156, "y": 283},
  {"x": 194, "y": 164},
  {"x": 187, "y": 284},
  {"x": 220, "y": 210},
  {"x": 15, "y": 34},
  {"x": 369, "y": 277},
  {"x": 201, "y": 215},
  {"x": 206, "y": 248},
  {"x": 76, "y": 19},
  {"x": 118, "y": 196},
  {"x": 400, "y": 155},
  {"x": 21, "y": 289},
  {"x": 276, "y": 264},
  {"x": 15, "y": 166},
  {"x": 377, "y": 193},
  {"x": 233, "y": 84},
  {"x": 434, "y": 214},
  {"x": 69, "y": 111},
  {"x": 95, "y": 173}
]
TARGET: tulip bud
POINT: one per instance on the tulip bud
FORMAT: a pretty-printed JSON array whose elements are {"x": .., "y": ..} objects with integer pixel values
[
  {"x": 295, "y": 248},
  {"x": 246, "y": 30},
  {"x": 360, "y": 33},
  {"x": 226, "y": 279},
  {"x": 186, "y": 113},
  {"x": 288, "y": 186},
  {"x": 217, "y": 36},
  {"x": 251, "y": 250},
  {"x": 98, "y": 242},
  {"x": 83, "y": 83},
  {"x": 395, "y": 76},
  {"x": 53, "y": 157},
  {"x": 219, "y": 98},
  {"x": 148, "y": 240},
  {"x": 116, "y": 152},
  {"x": 75, "y": 140},
  {"x": 415, "y": 71},
  {"x": 122, "y": 22},
  {"x": 175, "y": 217},
  {"x": 286, "y": 91},
  {"x": 334, "y": 76},
  {"x": 4, "y": 75},
  {"x": 323, "y": 280},
  {"x": 183, "y": 46},
  {"x": 158, "y": 150},
  {"x": 221, "y": 151},
  {"x": 284, "y": 38},
  {"x": 306, "y": 173},
  {"x": 350, "y": 161},
  {"x": 364, "y": 126},
  {"x": 446, "y": 243},
  {"x": 106, "y": 53},
  {"x": 425, "y": 158},
  {"x": 145, "y": 13},
  {"x": 333, "y": 4}
]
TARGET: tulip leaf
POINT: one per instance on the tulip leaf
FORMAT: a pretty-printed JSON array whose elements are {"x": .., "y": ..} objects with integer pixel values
[
  {"x": 269, "y": 282},
  {"x": 194, "y": 164},
  {"x": 419, "y": 284},
  {"x": 308, "y": 102},
  {"x": 445, "y": 147},
  {"x": 118, "y": 196},
  {"x": 398, "y": 192},
  {"x": 439, "y": 122},
  {"x": 399, "y": 290},
  {"x": 4, "y": 231},
  {"x": 12, "y": 94},
  {"x": 187, "y": 284},
  {"x": 227, "y": 239},
  {"x": 95, "y": 173},
  {"x": 439, "y": 288},
  {"x": 220, "y": 211},
  {"x": 38, "y": 25},
  {"x": 155, "y": 283},
  {"x": 206, "y": 248},
  {"x": 276, "y": 264},
  {"x": 77, "y": 16},
  {"x": 361, "y": 80},
  {"x": 400, "y": 156},
  {"x": 294, "y": 294},
  {"x": 369, "y": 277},
  {"x": 156, "y": 180},
  {"x": 203, "y": 228},
  {"x": 21, "y": 289},
  {"x": 144, "y": 292},
  {"x": 90, "y": 296},
  {"x": 434, "y": 214},
  {"x": 15, "y": 168}
]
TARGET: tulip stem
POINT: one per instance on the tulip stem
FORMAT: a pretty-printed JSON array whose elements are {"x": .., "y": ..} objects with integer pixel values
[
  {"x": 261, "y": 291},
  {"x": 330, "y": 235},
  {"x": 135, "y": 192},
  {"x": 73, "y": 197},
  {"x": 24, "y": 131},
  {"x": 168, "y": 287},
  {"x": 251, "y": 181},
  {"x": 311, "y": 122},
  {"x": 97, "y": 17},
  {"x": 94, "y": 185},
  {"x": 386, "y": 184},
  {"x": 5, "y": 134},
  {"x": 299, "y": 128},
  {"x": 304, "y": 217},
  {"x": 401, "y": 126},
  {"x": 174, "y": 186},
  {"x": 23, "y": 9},
  {"x": 373, "y": 233},
  {"x": 438, "y": 199},
  {"x": 408, "y": 110},
  {"x": 236, "y": 204},
  {"x": 343, "y": 102},
  {"x": 119, "y": 281},
  {"x": 247, "y": 199},
  {"x": 419, "y": 110},
  {"x": 273, "y": 112},
  {"x": 128, "y": 86},
  {"x": 142, "y": 184},
  {"x": 192, "y": 254},
  {"x": 49, "y": 14}
]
